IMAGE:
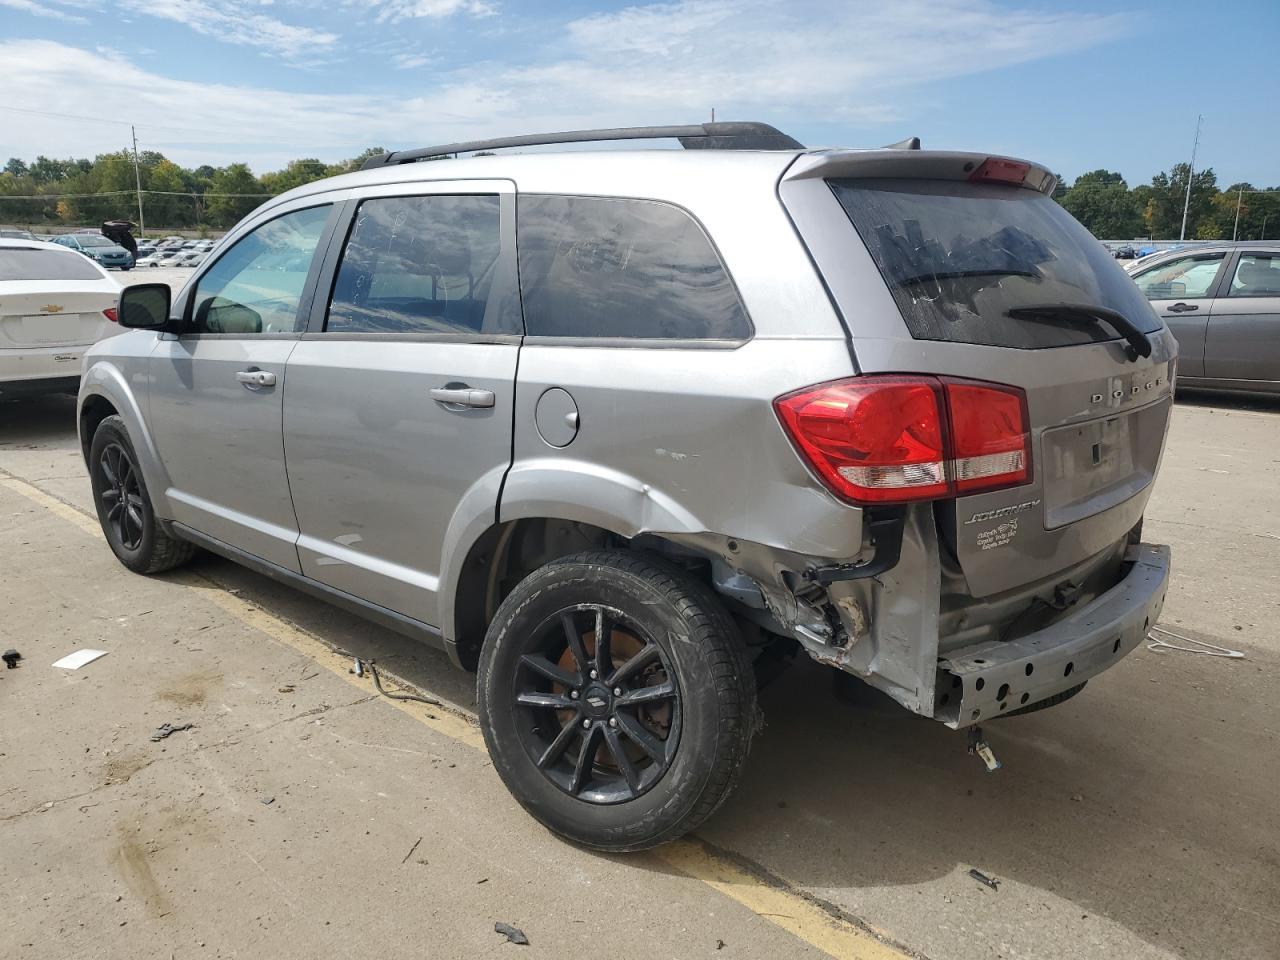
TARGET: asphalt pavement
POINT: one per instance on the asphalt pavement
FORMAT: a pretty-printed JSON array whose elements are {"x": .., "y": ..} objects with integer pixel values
[{"x": 305, "y": 816}]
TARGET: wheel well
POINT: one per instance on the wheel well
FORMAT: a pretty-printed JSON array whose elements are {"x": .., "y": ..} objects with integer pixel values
[
  {"x": 508, "y": 552},
  {"x": 95, "y": 410}
]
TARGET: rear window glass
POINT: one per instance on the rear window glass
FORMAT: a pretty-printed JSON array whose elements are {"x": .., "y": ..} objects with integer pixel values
[
  {"x": 422, "y": 265},
  {"x": 958, "y": 256},
  {"x": 22, "y": 264},
  {"x": 1258, "y": 275},
  {"x": 592, "y": 267}
]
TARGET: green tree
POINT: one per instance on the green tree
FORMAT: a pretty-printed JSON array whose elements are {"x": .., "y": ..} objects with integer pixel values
[
  {"x": 1101, "y": 200},
  {"x": 1163, "y": 212},
  {"x": 228, "y": 204},
  {"x": 16, "y": 167}
]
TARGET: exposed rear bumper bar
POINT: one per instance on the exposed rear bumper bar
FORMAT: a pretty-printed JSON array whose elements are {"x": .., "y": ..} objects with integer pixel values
[{"x": 985, "y": 680}]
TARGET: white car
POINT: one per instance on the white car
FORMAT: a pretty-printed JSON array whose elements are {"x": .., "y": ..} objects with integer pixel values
[
  {"x": 54, "y": 304},
  {"x": 151, "y": 259}
]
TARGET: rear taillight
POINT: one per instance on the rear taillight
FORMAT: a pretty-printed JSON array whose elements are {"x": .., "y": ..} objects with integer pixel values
[
  {"x": 999, "y": 170},
  {"x": 892, "y": 439},
  {"x": 110, "y": 314}
]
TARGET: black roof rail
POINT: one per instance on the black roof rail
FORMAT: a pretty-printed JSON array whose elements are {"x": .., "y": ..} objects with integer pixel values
[{"x": 694, "y": 136}]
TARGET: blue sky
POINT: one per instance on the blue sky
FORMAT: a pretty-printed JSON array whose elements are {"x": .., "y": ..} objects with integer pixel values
[{"x": 1074, "y": 85}]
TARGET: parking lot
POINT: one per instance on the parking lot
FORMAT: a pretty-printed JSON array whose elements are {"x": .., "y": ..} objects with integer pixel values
[{"x": 303, "y": 815}]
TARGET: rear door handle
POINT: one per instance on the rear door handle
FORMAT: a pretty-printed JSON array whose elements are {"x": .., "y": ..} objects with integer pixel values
[
  {"x": 256, "y": 378},
  {"x": 1183, "y": 308},
  {"x": 462, "y": 397}
]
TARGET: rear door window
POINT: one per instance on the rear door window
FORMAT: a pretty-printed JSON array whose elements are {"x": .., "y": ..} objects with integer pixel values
[
  {"x": 422, "y": 265},
  {"x": 628, "y": 269},
  {"x": 958, "y": 256},
  {"x": 1186, "y": 278},
  {"x": 1257, "y": 275},
  {"x": 17, "y": 263}
]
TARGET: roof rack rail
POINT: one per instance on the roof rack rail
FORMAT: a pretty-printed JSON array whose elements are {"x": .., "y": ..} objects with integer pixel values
[{"x": 695, "y": 136}]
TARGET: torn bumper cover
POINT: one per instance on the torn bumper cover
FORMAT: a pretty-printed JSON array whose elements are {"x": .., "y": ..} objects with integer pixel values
[{"x": 985, "y": 680}]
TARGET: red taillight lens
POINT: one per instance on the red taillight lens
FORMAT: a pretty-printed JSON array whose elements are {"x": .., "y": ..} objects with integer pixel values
[
  {"x": 892, "y": 439},
  {"x": 998, "y": 170},
  {"x": 110, "y": 314},
  {"x": 990, "y": 439}
]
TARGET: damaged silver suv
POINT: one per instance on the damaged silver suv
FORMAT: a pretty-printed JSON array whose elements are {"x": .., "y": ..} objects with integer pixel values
[{"x": 616, "y": 428}]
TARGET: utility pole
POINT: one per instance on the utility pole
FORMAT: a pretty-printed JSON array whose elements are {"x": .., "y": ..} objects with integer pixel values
[
  {"x": 1236, "y": 229},
  {"x": 1191, "y": 172},
  {"x": 137, "y": 176}
]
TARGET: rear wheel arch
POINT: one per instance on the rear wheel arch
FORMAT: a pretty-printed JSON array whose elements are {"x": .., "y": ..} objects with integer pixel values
[{"x": 505, "y": 553}]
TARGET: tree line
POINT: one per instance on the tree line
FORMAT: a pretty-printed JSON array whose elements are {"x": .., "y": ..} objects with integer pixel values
[
  {"x": 69, "y": 192},
  {"x": 1112, "y": 210}
]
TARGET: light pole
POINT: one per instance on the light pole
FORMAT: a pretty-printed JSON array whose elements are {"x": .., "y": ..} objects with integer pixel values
[
  {"x": 1191, "y": 172},
  {"x": 1236, "y": 228},
  {"x": 1264, "y": 226}
]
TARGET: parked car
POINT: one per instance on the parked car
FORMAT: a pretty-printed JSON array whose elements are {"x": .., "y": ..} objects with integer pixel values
[
  {"x": 53, "y": 305},
  {"x": 1125, "y": 252},
  {"x": 1222, "y": 302},
  {"x": 145, "y": 249},
  {"x": 152, "y": 259},
  {"x": 191, "y": 258},
  {"x": 17, "y": 235},
  {"x": 98, "y": 248},
  {"x": 892, "y": 408},
  {"x": 171, "y": 258}
]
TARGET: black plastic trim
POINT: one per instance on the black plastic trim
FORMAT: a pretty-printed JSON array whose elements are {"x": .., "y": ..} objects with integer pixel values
[{"x": 886, "y": 525}]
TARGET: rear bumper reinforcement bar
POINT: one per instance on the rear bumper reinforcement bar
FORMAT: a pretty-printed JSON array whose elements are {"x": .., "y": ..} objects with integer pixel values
[{"x": 983, "y": 681}]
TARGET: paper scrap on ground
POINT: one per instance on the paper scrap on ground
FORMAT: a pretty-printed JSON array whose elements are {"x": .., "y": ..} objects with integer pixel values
[{"x": 74, "y": 661}]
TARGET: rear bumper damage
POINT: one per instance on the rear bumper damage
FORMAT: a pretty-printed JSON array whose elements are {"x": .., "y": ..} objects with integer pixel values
[{"x": 983, "y": 681}]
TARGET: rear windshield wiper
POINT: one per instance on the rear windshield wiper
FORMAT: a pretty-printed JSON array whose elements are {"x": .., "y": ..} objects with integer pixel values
[
  {"x": 964, "y": 275},
  {"x": 1139, "y": 342}
]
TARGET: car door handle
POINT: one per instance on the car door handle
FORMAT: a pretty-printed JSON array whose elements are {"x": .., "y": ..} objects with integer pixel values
[
  {"x": 256, "y": 378},
  {"x": 462, "y": 397},
  {"x": 1183, "y": 308}
]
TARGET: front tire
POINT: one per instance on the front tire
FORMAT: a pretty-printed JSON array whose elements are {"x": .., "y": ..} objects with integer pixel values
[
  {"x": 124, "y": 506},
  {"x": 630, "y": 743}
]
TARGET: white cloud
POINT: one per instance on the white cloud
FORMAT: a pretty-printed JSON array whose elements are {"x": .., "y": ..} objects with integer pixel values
[
  {"x": 42, "y": 8},
  {"x": 238, "y": 23},
  {"x": 408, "y": 61},
  {"x": 394, "y": 10},
  {"x": 804, "y": 64}
]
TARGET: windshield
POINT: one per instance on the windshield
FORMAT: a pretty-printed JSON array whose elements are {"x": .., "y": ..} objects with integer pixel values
[
  {"x": 958, "y": 257},
  {"x": 88, "y": 241},
  {"x": 17, "y": 263}
]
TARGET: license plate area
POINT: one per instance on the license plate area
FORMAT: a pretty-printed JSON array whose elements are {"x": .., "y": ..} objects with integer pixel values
[{"x": 1088, "y": 468}]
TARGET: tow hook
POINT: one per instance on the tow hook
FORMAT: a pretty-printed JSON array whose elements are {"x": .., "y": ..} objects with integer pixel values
[{"x": 979, "y": 747}]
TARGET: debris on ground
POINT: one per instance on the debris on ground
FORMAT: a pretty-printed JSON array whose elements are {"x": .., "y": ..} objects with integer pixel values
[
  {"x": 267, "y": 801},
  {"x": 74, "y": 661},
  {"x": 1200, "y": 646},
  {"x": 513, "y": 934},
  {"x": 287, "y": 688},
  {"x": 1077, "y": 797},
  {"x": 169, "y": 729},
  {"x": 410, "y": 853},
  {"x": 720, "y": 944},
  {"x": 984, "y": 879},
  {"x": 11, "y": 658}
]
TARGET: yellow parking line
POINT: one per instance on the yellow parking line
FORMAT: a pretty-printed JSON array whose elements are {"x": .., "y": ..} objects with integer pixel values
[{"x": 807, "y": 920}]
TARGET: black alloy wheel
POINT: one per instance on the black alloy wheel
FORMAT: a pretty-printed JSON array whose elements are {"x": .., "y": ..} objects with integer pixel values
[{"x": 600, "y": 704}]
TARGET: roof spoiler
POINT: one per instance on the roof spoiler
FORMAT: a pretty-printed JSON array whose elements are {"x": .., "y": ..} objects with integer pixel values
[
  {"x": 911, "y": 143},
  {"x": 698, "y": 136}
]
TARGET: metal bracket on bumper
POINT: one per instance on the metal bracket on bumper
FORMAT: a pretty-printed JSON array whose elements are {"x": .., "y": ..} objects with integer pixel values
[{"x": 994, "y": 677}]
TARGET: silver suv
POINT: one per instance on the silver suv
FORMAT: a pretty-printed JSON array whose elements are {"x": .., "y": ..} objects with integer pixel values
[{"x": 621, "y": 429}]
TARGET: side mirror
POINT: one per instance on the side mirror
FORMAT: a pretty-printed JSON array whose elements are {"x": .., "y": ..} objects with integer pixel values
[{"x": 145, "y": 306}]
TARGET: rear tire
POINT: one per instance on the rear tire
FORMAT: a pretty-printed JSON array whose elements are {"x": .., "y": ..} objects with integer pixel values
[
  {"x": 627, "y": 748},
  {"x": 124, "y": 506}
]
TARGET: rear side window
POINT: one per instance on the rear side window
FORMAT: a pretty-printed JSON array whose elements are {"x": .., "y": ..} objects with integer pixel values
[
  {"x": 1187, "y": 278},
  {"x": 1258, "y": 275},
  {"x": 958, "y": 256},
  {"x": 419, "y": 265},
  {"x": 17, "y": 263},
  {"x": 635, "y": 269}
]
